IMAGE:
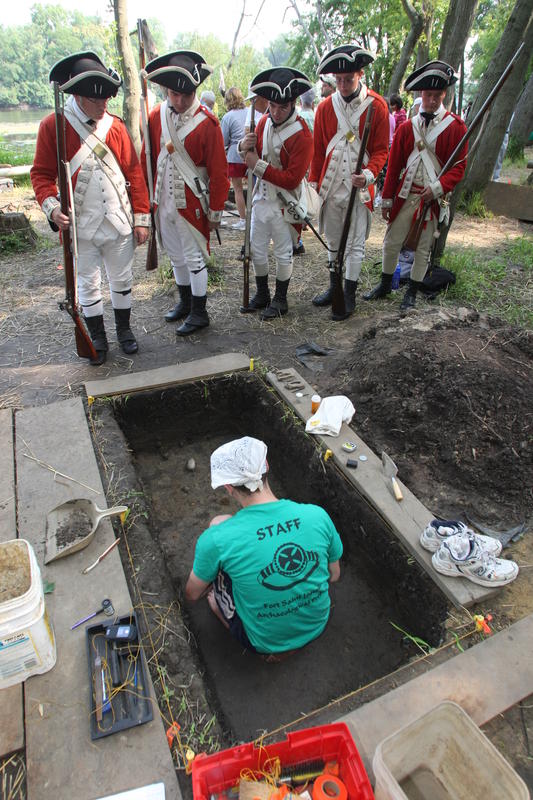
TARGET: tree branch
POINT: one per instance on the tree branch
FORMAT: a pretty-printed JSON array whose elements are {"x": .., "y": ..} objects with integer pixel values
[
  {"x": 234, "y": 45},
  {"x": 306, "y": 30},
  {"x": 320, "y": 18}
]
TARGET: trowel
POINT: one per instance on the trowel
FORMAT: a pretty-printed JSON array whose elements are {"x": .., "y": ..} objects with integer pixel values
[
  {"x": 71, "y": 526},
  {"x": 391, "y": 470}
]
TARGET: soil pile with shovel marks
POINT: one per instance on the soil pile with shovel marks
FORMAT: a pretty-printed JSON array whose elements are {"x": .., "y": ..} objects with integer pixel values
[{"x": 448, "y": 396}]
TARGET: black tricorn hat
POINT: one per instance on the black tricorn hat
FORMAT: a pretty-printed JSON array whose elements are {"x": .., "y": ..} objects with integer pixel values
[
  {"x": 181, "y": 71},
  {"x": 433, "y": 75},
  {"x": 280, "y": 84},
  {"x": 345, "y": 58},
  {"x": 85, "y": 74}
]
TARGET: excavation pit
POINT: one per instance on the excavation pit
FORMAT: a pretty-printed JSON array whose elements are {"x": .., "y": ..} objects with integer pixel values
[{"x": 381, "y": 586}]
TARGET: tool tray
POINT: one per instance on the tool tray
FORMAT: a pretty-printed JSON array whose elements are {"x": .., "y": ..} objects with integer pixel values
[{"x": 121, "y": 679}]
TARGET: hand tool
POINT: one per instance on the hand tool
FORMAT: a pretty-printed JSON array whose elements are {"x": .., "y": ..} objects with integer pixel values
[
  {"x": 391, "y": 470},
  {"x": 106, "y": 608},
  {"x": 62, "y": 522}
]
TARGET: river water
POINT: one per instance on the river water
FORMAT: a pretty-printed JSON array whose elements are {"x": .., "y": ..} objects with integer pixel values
[{"x": 18, "y": 127}]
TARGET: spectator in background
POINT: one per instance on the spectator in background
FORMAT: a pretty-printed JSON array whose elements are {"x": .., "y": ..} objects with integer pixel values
[
  {"x": 307, "y": 111},
  {"x": 415, "y": 108},
  {"x": 208, "y": 99},
  {"x": 392, "y": 123},
  {"x": 327, "y": 86},
  {"x": 232, "y": 124},
  {"x": 399, "y": 112}
]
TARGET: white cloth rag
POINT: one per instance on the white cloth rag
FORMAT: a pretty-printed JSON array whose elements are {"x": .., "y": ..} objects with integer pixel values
[
  {"x": 330, "y": 415},
  {"x": 241, "y": 462}
]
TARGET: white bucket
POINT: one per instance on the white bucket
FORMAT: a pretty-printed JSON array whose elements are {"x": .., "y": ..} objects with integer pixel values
[{"x": 27, "y": 642}]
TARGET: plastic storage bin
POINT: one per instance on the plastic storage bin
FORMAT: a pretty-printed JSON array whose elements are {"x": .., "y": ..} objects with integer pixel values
[
  {"x": 443, "y": 755},
  {"x": 27, "y": 642},
  {"x": 218, "y": 772}
]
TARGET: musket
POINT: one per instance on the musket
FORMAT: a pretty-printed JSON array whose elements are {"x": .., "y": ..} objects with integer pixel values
[
  {"x": 338, "y": 305},
  {"x": 417, "y": 226},
  {"x": 245, "y": 308},
  {"x": 151, "y": 254},
  {"x": 84, "y": 345}
]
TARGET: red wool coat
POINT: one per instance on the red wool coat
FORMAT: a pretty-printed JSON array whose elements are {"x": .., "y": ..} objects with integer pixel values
[
  {"x": 44, "y": 170},
  {"x": 205, "y": 146},
  {"x": 325, "y": 129},
  {"x": 402, "y": 147},
  {"x": 295, "y": 156}
]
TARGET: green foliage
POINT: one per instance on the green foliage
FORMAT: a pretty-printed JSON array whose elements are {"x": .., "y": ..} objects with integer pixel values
[
  {"x": 515, "y": 150},
  {"x": 381, "y": 28},
  {"x": 472, "y": 204},
  {"x": 217, "y": 54},
  {"x": 502, "y": 285},
  {"x": 15, "y": 242},
  {"x": 28, "y": 52}
]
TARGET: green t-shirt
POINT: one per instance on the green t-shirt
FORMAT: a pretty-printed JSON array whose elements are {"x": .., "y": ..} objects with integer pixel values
[{"x": 277, "y": 557}]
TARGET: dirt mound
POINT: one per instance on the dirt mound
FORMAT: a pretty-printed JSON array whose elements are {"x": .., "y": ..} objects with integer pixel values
[{"x": 449, "y": 397}]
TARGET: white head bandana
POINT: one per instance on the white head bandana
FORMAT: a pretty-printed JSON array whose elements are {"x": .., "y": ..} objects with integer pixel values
[{"x": 241, "y": 462}]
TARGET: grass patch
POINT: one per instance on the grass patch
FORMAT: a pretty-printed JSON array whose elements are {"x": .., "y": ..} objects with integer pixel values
[
  {"x": 502, "y": 286},
  {"x": 472, "y": 204},
  {"x": 16, "y": 156}
]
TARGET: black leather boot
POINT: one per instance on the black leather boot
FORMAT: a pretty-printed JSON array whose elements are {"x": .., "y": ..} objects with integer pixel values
[
  {"x": 324, "y": 299},
  {"x": 196, "y": 319},
  {"x": 409, "y": 299},
  {"x": 278, "y": 306},
  {"x": 125, "y": 336},
  {"x": 350, "y": 288},
  {"x": 98, "y": 338},
  {"x": 261, "y": 298},
  {"x": 183, "y": 308},
  {"x": 381, "y": 290}
]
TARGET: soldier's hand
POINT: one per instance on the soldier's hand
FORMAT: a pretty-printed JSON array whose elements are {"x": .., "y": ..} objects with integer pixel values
[
  {"x": 213, "y": 225},
  {"x": 358, "y": 180},
  {"x": 249, "y": 142},
  {"x": 60, "y": 219},
  {"x": 251, "y": 159},
  {"x": 427, "y": 195},
  {"x": 141, "y": 234}
]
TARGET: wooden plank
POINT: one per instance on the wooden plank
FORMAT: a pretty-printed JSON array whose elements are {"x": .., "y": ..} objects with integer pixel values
[
  {"x": 406, "y": 519},
  {"x": 57, "y": 703},
  {"x": 169, "y": 376},
  {"x": 485, "y": 681},
  {"x": 11, "y": 713},
  {"x": 509, "y": 200}
]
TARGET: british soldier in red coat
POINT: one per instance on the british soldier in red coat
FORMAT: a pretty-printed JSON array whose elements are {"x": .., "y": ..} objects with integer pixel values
[
  {"x": 190, "y": 179},
  {"x": 109, "y": 198},
  {"x": 421, "y": 146},
  {"x": 339, "y": 124},
  {"x": 278, "y": 153}
]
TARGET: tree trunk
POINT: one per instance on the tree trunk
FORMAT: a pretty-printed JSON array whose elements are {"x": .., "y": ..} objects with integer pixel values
[
  {"x": 417, "y": 25},
  {"x": 481, "y": 165},
  {"x": 519, "y": 28},
  {"x": 132, "y": 91},
  {"x": 457, "y": 26},
  {"x": 522, "y": 123}
]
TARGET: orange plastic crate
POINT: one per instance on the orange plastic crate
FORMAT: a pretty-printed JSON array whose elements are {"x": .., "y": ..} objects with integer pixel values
[{"x": 221, "y": 771}]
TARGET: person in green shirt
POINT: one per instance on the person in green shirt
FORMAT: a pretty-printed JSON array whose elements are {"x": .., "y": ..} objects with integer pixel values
[{"x": 265, "y": 570}]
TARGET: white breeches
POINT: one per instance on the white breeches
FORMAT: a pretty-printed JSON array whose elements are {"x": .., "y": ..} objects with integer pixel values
[
  {"x": 269, "y": 225},
  {"x": 186, "y": 257},
  {"x": 395, "y": 237},
  {"x": 115, "y": 252},
  {"x": 360, "y": 222}
]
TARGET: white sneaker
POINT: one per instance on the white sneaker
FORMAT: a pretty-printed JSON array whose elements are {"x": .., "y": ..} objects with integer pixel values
[
  {"x": 439, "y": 530},
  {"x": 240, "y": 225},
  {"x": 462, "y": 556}
]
